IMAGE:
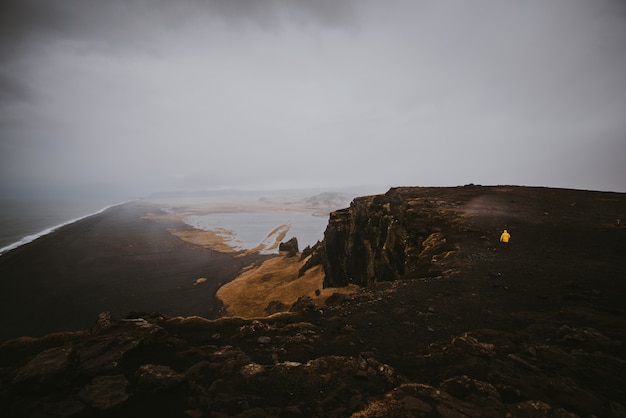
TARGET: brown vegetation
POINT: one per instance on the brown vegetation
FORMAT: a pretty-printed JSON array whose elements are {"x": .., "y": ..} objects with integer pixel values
[{"x": 276, "y": 279}]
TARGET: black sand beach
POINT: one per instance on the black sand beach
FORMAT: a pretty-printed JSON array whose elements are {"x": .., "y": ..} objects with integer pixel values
[{"x": 115, "y": 261}]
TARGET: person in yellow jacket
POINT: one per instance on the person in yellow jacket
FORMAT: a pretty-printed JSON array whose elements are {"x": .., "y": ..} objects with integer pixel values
[{"x": 505, "y": 237}]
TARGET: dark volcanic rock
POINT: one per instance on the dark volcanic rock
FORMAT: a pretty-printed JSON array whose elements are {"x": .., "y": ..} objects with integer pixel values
[
  {"x": 105, "y": 392},
  {"x": 314, "y": 255},
  {"x": 289, "y": 248},
  {"x": 449, "y": 324},
  {"x": 154, "y": 378},
  {"x": 276, "y": 306},
  {"x": 304, "y": 303},
  {"x": 51, "y": 367},
  {"x": 380, "y": 238}
]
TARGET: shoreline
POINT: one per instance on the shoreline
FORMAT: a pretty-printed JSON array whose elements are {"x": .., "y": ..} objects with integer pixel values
[
  {"x": 113, "y": 261},
  {"x": 33, "y": 237}
]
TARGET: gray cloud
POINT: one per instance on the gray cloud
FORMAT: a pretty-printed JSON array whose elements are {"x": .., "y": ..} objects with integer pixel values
[{"x": 155, "y": 95}]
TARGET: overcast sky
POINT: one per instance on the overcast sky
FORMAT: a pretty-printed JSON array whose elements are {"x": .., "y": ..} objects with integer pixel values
[{"x": 147, "y": 95}]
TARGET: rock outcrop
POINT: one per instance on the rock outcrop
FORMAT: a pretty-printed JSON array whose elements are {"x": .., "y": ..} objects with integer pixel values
[
  {"x": 289, "y": 248},
  {"x": 384, "y": 237}
]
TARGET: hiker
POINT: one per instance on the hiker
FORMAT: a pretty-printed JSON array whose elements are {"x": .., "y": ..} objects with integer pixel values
[{"x": 505, "y": 237}]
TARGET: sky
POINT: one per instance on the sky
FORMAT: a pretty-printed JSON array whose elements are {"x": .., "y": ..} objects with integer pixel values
[{"x": 139, "y": 96}]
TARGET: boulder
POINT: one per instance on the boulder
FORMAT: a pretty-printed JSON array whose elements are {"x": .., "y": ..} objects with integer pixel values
[
  {"x": 304, "y": 303},
  {"x": 105, "y": 392},
  {"x": 49, "y": 368},
  {"x": 152, "y": 378},
  {"x": 275, "y": 306}
]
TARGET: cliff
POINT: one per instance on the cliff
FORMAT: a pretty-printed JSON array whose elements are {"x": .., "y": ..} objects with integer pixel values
[
  {"x": 385, "y": 237},
  {"x": 414, "y": 232},
  {"x": 448, "y": 323}
]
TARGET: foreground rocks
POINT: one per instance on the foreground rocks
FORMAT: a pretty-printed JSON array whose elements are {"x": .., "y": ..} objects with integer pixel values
[
  {"x": 307, "y": 363},
  {"x": 533, "y": 330}
]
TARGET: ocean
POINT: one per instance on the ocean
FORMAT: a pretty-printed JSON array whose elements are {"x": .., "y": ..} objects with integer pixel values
[{"x": 24, "y": 220}]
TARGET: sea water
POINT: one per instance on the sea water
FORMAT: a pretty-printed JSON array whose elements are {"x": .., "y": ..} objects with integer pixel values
[
  {"x": 253, "y": 228},
  {"x": 24, "y": 220}
]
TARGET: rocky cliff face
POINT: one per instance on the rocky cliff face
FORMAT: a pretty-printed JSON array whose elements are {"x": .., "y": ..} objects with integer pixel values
[{"x": 384, "y": 237}]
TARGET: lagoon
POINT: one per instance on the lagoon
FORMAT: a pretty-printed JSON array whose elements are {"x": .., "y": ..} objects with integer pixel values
[{"x": 246, "y": 230}]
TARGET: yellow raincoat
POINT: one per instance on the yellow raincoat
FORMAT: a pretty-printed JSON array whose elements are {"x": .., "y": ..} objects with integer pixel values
[{"x": 505, "y": 236}]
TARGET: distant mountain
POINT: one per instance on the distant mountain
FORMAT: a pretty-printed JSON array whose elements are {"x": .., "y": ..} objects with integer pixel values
[{"x": 329, "y": 201}]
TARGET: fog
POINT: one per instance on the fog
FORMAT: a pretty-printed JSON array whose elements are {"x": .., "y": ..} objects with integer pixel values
[{"x": 138, "y": 96}]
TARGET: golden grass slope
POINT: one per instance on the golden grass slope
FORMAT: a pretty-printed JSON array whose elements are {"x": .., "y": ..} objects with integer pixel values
[{"x": 275, "y": 279}]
